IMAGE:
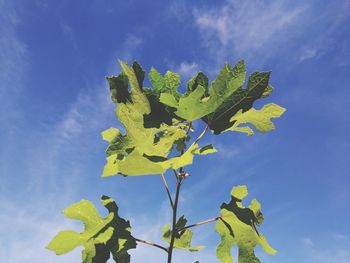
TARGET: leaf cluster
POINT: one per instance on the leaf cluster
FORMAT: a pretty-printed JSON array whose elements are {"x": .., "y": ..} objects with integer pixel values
[
  {"x": 158, "y": 119},
  {"x": 157, "y": 136}
]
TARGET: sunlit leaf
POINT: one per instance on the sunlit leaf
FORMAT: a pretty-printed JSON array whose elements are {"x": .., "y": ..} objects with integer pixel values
[
  {"x": 150, "y": 132},
  {"x": 237, "y": 226},
  {"x": 198, "y": 100},
  {"x": 101, "y": 236},
  {"x": 183, "y": 238},
  {"x": 260, "y": 119}
]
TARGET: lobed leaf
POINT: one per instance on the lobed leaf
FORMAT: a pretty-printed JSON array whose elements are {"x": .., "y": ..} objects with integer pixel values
[
  {"x": 151, "y": 132},
  {"x": 241, "y": 99},
  {"x": 182, "y": 239},
  {"x": 198, "y": 101},
  {"x": 260, "y": 119},
  {"x": 237, "y": 226},
  {"x": 101, "y": 236}
]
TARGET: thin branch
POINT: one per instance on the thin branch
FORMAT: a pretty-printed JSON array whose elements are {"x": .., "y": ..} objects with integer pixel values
[
  {"x": 167, "y": 190},
  {"x": 201, "y": 223},
  {"x": 175, "y": 173},
  {"x": 152, "y": 244},
  {"x": 189, "y": 127},
  {"x": 200, "y": 136},
  {"x": 173, "y": 229}
]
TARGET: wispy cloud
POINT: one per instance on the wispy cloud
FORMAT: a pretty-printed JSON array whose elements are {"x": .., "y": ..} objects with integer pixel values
[
  {"x": 54, "y": 159},
  {"x": 130, "y": 47},
  {"x": 187, "y": 70},
  {"x": 268, "y": 29},
  {"x": 25, "y": 232},
  {"x": 13, "y": 66},
  {"x": 335, "y": 252},
  {"x": 244, "y": 27}
]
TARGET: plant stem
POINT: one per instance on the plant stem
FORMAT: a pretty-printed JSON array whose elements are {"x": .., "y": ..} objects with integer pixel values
[
  {"x": 151, "y": 244},
  {"x": 174, "y": 230},
  {"x": 175, "y": 173},
  {"x": 201, "y": 223},
  {"x": 200, "y": 136},
  {"x": 167, "y": 190},
  {"x": 179, "y": 179}
]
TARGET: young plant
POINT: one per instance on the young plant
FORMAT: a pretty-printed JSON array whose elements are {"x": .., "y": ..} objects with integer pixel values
[{"x": 159, "y": 137}]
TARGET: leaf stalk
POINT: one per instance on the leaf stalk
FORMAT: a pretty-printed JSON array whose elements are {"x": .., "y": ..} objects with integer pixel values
[
  {"x": 151, "y": 244},
  {"x": 167, "y": 190}
]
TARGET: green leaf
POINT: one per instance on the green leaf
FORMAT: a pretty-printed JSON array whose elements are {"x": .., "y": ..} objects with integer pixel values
[
  {"x": 137, "y": 164},
  {"x": 157, "y": 80},
  {"x": 150, "y": 130},
  {"x": 139, "y": 99},
  {"x": 240, "y": 99},
  {"x": 172, "y": 82},
  {"x": 268, "y": 90},
  {"x": 199, "y": 80},
  {"x": 129, "y": 153},
  {"x": 182, "y": 239},
  {"x": 167, "y": 84},
  {"x": 65, "y": 241},
  {"x": 159, "y": 114},
  {"x": 110, "y": 135},
  {"x": 206, "y": 150},
  {"x": 237, "y": 226},
  {"x": 260, "y": 119},
  {"x": 101, "y": 236},
  {"x": 118, "y": 86},
  {"x": 169, "y": 100},
  {"x": 198, "y": 100}
]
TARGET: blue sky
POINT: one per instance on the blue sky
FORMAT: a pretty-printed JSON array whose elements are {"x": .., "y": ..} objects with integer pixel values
[{"x": 54, "y": 103}]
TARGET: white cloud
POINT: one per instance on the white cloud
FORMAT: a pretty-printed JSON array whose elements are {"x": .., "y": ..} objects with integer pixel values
[
  {"x": 226, "y": 151},
  {"x": 13, "y": 67},
  {"x": 263, "y": 29},
  {"x": 248, "y": 26},
  {"x": 131, "y": 45},
  {"x": 90, "y": 111},
  {"x": 334, "y": 252},
  {"x": 187, "y": 70},
  {"x": 308, "y": 242},
  {"x": 309, "y": 53},
  {"x": 53, "y": 161},
  {"x": 340, "y": 236},
  {"x": 25, "y": 232},
  {"x": 68, "y": 32}
]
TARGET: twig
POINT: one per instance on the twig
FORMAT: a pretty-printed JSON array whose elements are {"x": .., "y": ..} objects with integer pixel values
[
  {"x": 189, "y": 127},
  {"x": 201, "y": 223},
  {"x": 167, "y": 190},
  {"x": 175, "y": 173},
  {"x": 200, "y": 136},
  {"x": 171, "y": 246},
  {"x": 152, "y": 244}
]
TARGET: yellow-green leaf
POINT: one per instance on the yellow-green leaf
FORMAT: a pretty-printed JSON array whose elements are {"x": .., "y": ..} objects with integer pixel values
[
  {"x": 100, "y": 236},
  {"x": 260, "y": 119},
  {"x": 110, "y": 135},
  {"x": 182, "y": 239},
  {"x": 237, "y": 226}
]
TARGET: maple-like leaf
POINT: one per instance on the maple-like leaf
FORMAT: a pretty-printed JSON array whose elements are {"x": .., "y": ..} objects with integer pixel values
[
  {"x": 260, "y": 119},
  {"x": 217, "y": 104},
  {"x": 101, "y": 236},
  {"x": 238, "y": 226},
  {"x": 145, "y": 146},
  {"x": 183, "y": 238},
  {"x": 200, "y": 101},
  {"x": 241, "y": 99}
]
